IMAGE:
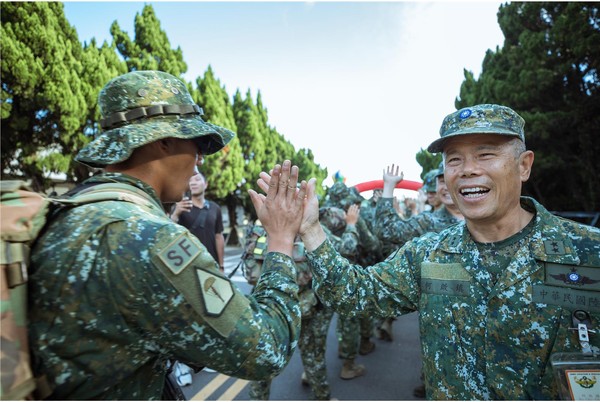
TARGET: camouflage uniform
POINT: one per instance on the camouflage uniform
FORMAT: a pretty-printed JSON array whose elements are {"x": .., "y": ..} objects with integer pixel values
[
  {"x": 316, "y": 319},
  {"x": 353, "y": 332},
  {"x": 117, "y": 288},
  {"x": 491, "y": 314},
  {"x": 394, "y": 231},
  {"x": 429, "y": 184},
  {"x": 475, "y": 343}
]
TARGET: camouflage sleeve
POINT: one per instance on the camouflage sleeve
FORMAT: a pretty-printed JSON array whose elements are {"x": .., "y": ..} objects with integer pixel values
[
  {"x": 368, "y": 241},
  {"x": 347, "y": 244},
  {"x": 206, "y": 321},
  {"x": 386, "y": 289},
  {"x": 390, "y": 228}
]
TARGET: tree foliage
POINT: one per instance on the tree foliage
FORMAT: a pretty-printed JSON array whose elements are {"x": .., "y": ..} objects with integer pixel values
[
  {"x": 428, "y": 161},
  {"x": 43, "y": 99},
  {"x": 547, "y": 70},
  {"x": 150, "y": 49},
  {"x": 50, "y": 86}
]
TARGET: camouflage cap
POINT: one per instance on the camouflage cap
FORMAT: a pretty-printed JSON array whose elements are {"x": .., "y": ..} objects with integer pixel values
[
  {"x": 141, "y": 107},
  {"x": 440, "y": 169},
  {"x": 333, "y": 218},
  {"x": 480, "y": 119},
  {"x": 429, "y": 183}
]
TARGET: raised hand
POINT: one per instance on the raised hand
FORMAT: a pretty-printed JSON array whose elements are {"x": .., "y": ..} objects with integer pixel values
[
  {"x": 281, "y": 209},
  {"x": 390, "y": 179}
]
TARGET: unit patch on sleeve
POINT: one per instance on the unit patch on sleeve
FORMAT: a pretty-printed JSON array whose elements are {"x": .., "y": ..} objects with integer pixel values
[
  {"x": 179, "y": 253},
  {"x": 216, "y": 292}
]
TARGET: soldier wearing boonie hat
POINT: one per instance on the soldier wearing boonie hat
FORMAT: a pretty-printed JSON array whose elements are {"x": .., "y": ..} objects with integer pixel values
[
  {"x": 144, "y": 106},
  {"x": 499, "y": 294},
  {"x": 130, "y": 288}
]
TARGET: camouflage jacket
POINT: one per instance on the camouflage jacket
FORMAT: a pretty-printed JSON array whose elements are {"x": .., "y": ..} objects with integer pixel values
[
  {"x": 391, "y": 229},
  {"x": 346, "y": 243},
  {"x": 479, "y": 341},
  {"x": 117, "y": 288}
]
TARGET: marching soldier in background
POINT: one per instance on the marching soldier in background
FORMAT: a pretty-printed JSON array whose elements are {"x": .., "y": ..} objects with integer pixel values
[
  {"x": 354, "y": 333},
  {"x": 118, "y": 289},
  {"x": 430, "y": 189},
  {"x": 316, "y": 317},
  {"x": 393, "y": 230}
]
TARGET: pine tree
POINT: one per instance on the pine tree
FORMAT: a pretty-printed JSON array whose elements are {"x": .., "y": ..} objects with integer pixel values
[
  {"x": 224, "y": 170},
  {"x": 150, "y": 49},
  {"x": 547, "y": 71},
  {"x": 44, "y": 98}
]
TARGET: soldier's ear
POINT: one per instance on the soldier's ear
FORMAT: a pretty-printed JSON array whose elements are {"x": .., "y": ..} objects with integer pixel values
[{"x": 525, "y": 163}]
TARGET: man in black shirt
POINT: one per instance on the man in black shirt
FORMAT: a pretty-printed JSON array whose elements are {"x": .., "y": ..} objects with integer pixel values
[{"x": 202, "y": 217}]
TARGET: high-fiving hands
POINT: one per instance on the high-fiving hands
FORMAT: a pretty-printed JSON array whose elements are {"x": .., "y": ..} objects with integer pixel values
[{"x": 300, "y": 205}]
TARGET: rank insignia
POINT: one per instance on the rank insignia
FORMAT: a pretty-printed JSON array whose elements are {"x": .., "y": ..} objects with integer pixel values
[{"x": 554, "y": 247}]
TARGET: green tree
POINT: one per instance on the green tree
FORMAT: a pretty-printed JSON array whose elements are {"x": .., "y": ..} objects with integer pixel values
[
  {"x": 224, "y": 170},
  {"x": 44, "y": 100},
  {"x": 99, "y": 65},
  {"x": 251, "y": 141},
  {"x": 547, "y": 70},
  {"x": 428, "y": 161},
  {"x": 150, "y": 49},
  {"x": 307, "y": 167}
]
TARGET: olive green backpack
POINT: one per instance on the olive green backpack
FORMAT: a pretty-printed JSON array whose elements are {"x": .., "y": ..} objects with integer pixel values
[{"x": 23, "y": 214}]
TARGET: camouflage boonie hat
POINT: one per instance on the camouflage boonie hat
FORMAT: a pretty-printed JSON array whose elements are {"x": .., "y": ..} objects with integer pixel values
[
  {"x": 141, "y": 107},
  {"x": 480, "y": 119},
  {"x": 429, "y": 184},
  {"x": 333, "y": 218}
]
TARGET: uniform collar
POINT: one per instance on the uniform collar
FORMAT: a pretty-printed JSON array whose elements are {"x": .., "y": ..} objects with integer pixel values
[
  {"x": 113, "y": 177},
  {"x": 549, "y": 242}
]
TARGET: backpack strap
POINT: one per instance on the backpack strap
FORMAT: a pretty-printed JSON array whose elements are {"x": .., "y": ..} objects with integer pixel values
[{"x": 108, "y": 192}]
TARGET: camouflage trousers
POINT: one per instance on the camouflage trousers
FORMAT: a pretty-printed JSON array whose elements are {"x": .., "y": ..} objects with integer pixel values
[
  {"x": 349, "y": 332},
  {"x": 312, "y": 343}
]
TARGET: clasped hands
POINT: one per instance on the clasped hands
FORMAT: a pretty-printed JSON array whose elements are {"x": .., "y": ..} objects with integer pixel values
[{"x": 287, "y": 209}]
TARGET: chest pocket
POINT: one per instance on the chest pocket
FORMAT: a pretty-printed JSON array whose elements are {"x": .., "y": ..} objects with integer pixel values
[
  {"x": 445, "y": 279},
  {"x": 570, "y": 286}
]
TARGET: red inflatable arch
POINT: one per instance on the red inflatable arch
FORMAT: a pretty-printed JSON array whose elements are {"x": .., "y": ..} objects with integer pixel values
[{"x": 374, "y": 184}]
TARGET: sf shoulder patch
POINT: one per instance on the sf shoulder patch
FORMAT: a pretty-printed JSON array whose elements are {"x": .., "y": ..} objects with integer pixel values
[
  {"x": 216, "y": 292},
  {"x": 179, "y": 253}
]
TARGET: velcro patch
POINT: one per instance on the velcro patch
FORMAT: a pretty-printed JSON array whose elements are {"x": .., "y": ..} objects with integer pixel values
[
  {"x": 448, "y": 272},
  {"x": 179, "y": 253},
  {"x": 216, "y": 292}
]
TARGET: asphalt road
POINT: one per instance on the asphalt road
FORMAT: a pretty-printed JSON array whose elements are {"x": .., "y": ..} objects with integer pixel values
[{"x": 392, "y": 371}]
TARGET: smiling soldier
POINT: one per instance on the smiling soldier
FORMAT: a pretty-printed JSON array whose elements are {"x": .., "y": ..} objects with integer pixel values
[{"x": 498, "y": 294}]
